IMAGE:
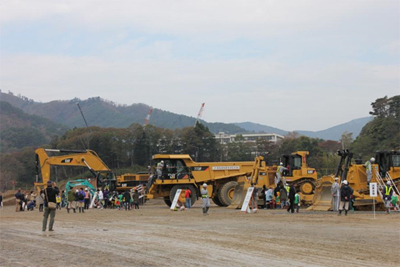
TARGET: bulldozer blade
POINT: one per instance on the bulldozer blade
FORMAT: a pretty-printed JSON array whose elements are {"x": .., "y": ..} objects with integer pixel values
[
  {"x": 322, "y": 200},
  {"x": 239, "y": 195}
]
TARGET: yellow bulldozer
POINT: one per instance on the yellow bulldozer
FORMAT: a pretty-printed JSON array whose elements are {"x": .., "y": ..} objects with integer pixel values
[
  {"x": 298, "y": 173},
  {"x": 386, "y": 169}
]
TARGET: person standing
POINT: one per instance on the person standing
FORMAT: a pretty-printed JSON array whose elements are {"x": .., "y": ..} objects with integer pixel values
[
  {"x": 18, "y": 200},
  {"x": 40, "y": 200},
  {"x": 136, "y": 199},
  {"x": 292, "y": 193},
  {"x": 63, "y": 200},
  {"x": 101, "y": 197},
  {"x": 58, "y": 201},
  {"x": 283, "y": 195},
  {"x": 50, "y": 192},
  {"x": 127, "y": 200},
  {"x": 335, "y": 190},
  {"x": 387, "y": 193},
  {"x": 279, "y": 172},
  {"x": 297, "y": 201},
  {"x": 269, "y": 196},
  {"x": 87, "y": 199},
  {"x": 205, "y": 198},
  {"x": 106, "y": 197},
  {"x": 345, "y": 195},
  {"x": 368, "y": 166},
  {"x": 81, "y": 200},
  {"x": 188, "y": 194},
  {"x": 71, "y": 200},
  {"x": 1, "y": 201}
]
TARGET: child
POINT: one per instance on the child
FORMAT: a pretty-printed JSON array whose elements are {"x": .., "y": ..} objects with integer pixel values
[
  {"x": 58, "y": 201},
  {"x": 278, "y": 200},
  {"x": 297, "y": 201},
  {"x": 394, "y": 201}
]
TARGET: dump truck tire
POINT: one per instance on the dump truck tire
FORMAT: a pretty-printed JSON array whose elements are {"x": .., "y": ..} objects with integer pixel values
[
  {"x": 193, "y": 197},
  {"x": 216, "y": 201},
  {"x": 167, "y": 201},
  {"x": 225, "y": 194}
]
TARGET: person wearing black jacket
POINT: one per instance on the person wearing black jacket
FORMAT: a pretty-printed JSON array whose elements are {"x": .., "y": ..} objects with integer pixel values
[
  {"x": 345, "y": 197},
  {"x": 127, "y": 200},
  {"x": 50, "y": 196},
  {"x": 292, "y": 193}
]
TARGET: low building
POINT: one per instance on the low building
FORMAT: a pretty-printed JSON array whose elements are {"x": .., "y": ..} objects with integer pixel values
[{"x": 224, "y": 138}]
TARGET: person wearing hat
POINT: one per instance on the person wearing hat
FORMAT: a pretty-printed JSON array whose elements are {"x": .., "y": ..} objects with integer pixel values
[
  {"x": 279, "y": 172},
  {"x": 205, "y": 198},
  {"x": 387, "y": 193},
  {"x": 345, "y": 197},
  {"x": 335, "y": 190},
  {"x": 50, "y": 196},
  {"x": 368, "y": 167}
]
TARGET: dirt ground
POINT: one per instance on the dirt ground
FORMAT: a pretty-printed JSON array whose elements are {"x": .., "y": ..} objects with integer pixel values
[{"x": 156, "y": 236}]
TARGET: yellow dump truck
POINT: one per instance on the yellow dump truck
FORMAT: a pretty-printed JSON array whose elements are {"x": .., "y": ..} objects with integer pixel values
[
  {"x": 386, "y": 169},
  {"x": 175, "y": 172}
]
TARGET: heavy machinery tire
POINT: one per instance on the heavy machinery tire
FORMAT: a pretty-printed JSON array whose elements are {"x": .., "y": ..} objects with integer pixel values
[
  {"x": 176, "y": 187},
  {"x": 216, "y": 201},
  {"x": 225, "y": 194},
  {"x": 167, "y": 201}
]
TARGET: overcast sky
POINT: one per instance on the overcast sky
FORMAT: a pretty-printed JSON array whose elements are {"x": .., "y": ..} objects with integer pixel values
[{"x": 295, "y": 65}]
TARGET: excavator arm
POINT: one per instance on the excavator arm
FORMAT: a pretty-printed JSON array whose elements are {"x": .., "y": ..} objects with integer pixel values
[{"x": 84, "y": 158}]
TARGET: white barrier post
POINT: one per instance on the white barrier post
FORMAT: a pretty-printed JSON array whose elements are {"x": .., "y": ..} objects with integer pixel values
[{"x": 177, "y": 194}]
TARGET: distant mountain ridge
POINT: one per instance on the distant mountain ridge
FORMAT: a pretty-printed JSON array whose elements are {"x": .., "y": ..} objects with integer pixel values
[
  {"x": 333, "y": 133},
  {"x": 104, "y": 113},
  {"x": 19, "y": 129}
]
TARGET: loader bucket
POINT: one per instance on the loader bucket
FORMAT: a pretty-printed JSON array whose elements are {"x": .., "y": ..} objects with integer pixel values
[
  {"x": 322, "y": 200},
  {"x": 239, "y": 195}
]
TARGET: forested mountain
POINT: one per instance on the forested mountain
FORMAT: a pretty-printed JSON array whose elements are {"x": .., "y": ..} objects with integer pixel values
[
  {"x": 19, "y": 129},
  {"x": 383, "y": 132},
  {"x": 103, "y": 113},
  {"x": 333, "y": 133}
]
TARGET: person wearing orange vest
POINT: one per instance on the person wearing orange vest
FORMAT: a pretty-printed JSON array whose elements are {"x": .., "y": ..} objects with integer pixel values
[{"x": 387, "y": 196}]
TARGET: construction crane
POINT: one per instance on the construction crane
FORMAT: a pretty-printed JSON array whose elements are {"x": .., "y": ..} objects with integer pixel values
[
  {"x": 200, "y": 113},
  {"x": 146, "y": 121}
]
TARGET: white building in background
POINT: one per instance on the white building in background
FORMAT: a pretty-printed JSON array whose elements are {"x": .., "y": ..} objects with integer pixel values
[{"x": 224, "y": 138}]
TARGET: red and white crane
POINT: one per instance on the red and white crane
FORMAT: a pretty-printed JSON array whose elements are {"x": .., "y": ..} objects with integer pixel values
[
  {"x": 146, "y": 121},
  {"x": 200, "y": 113}
]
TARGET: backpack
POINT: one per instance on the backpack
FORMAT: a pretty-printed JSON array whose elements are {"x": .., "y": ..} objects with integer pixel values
[{"x": 81, "y": 196}]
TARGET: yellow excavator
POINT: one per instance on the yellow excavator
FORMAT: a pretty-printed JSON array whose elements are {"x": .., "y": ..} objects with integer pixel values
[
  {"x": 298, "y": 173},
  {"x": 105, "y": 178},
  {"x": 386, "y": 169}
]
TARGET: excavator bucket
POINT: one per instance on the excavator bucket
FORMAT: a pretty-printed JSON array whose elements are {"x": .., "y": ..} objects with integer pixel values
[
  {"x": 239, "y": 195},
  {"x": 322, "y": 200}
]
